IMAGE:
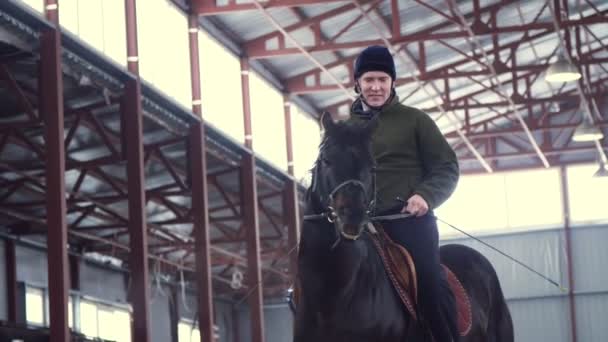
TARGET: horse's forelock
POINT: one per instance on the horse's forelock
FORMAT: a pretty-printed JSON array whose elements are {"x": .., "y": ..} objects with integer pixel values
[{"x": 346, "y": 133}]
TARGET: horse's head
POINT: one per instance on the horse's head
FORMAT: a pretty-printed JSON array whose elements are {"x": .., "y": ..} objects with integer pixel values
[{"x": 343, "y": 182}]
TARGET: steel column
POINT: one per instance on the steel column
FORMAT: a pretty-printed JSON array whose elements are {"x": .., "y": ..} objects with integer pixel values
[
  {"x": 200, "y": 219},
  {"x": 252, "y": 228},
  {"x": 51, "y": 105},
  {"x": 291, "y": 219},
  {"x": 174, "y": 313},
  {"x": 246, "y": 102},
  {"x": 11, "y": 279},
  {"x": 568, "y": 242},
  {"x": 195, "y": 70},
  {"x": 200, "y": 203},
  {"x": 74, "y": 272},
  {"x": 131, "y": 27},
  {"x": 290, "y": 198},
  {"x": 288, "y": 134},
  {"x": 249, "y": 209},
  {"x": 138, "y": 236}
]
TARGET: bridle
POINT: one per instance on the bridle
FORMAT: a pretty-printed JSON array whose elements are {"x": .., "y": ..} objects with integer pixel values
[{"x": 331, "y": 216}]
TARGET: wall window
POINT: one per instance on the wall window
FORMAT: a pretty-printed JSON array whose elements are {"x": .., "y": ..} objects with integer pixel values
[
  {"x": 306, "y": 135},
  {"x": 477, "y": 205},
  {"x": 502, "y": 201},
  {"x": 163, "y": 49},
  {"x": 88, "y": 318},
  {"x": 95, "y": 319},
  {"x": 105, "y": 321},
  {"x": 37, "y": 5},
  {"x": 99, "y": 23},
  {"x": 534, "y": 198},
  {"x": 222, "y": 101},
  {"x": 587, "y": 195},
  {"x": 188, "y": 332},
  {"x": 35, "y": 306},
  {"x": 268, "y": 121}
]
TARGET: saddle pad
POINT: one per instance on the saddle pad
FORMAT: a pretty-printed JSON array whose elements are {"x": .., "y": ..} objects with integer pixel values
[
  {"x": 463, "y": 305},
  {"x": 399, "y": 267},
  {"x": 401, "y": 271}
]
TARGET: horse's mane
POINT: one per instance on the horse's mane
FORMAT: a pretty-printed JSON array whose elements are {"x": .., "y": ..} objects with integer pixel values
[
  {"x": 346, "y": 133},
  {"x": 341, "y": 133}
]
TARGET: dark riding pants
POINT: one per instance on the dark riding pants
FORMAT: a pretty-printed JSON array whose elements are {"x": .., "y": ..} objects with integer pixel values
[{"x": 419, "y": 235}]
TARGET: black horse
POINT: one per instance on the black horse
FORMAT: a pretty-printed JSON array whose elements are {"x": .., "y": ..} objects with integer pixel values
[{"x": 344, "y": 293}]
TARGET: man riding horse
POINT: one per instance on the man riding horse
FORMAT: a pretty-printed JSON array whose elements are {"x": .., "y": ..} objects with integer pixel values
[{"x": 416, "y": 170}]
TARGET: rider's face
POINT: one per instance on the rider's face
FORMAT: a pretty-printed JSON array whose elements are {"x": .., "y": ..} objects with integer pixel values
[{"x": 375, "y": 87}]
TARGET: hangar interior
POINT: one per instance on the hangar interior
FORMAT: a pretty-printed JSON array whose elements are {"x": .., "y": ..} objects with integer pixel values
[{"x": 154, "y": 154}]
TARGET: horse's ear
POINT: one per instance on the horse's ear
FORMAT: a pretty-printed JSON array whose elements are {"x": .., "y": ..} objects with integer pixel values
[{"x": 326, "y": 121}]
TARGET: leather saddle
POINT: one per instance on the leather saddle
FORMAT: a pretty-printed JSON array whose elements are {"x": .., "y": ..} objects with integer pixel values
[{"x": 400, "y": 269}]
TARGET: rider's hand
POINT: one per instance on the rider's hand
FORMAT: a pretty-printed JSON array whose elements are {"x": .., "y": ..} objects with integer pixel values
[{"x": 416, "y": 205}]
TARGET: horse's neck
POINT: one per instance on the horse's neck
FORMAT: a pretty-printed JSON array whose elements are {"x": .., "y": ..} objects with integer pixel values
[{"x": 352, "y": 268}]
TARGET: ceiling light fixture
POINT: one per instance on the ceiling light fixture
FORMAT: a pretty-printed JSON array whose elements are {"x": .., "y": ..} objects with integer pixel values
[
  {"x": 586, "y": 131},
  {"x": 602, "y": 171},
  {"x": 562, "y": 71}
]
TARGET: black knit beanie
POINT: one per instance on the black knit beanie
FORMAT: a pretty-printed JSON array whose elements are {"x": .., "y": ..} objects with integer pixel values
[{"x": 375, "y": 58}]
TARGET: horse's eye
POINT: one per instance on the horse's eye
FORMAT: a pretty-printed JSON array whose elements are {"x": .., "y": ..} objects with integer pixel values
[{"x": 326, "y": 162}]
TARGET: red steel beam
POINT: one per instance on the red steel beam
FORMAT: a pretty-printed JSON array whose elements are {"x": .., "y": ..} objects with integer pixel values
[
  {"x": 138, "y": 255},
  {"x": 131, "y": 31},
  {"x": 298, "y": 82},
  {"x": 11, "y": 280},
  {"x": 23, "y": 101},
  {"x": 201, "y": 229},
  {"x": 483, "y": 123},
  {"x": 259, "y": 43},
  {"x": 291, "y": 218},
  {"x": 132, "y": 117},
  {"x": 249, "y": 210},
  {"x": 195, "y": 69},
  {"x": 200, "y": 202},
  {"x": 290, "y": 197},
  {"x": 263, "y": 52},
  {"x": 51, "y": 108},
  {"x": 520, "y": 154},
  {"x": 206, "y": 8},
  {"x": 288, "y": 134},
  {"x": 251, "y": 220},
  {"x": 512, "y": 130},
  {"x": 246, "y": 102}
]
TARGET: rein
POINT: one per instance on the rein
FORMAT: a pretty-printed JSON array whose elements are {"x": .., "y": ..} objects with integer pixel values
[{"x": 330, "y": 216}]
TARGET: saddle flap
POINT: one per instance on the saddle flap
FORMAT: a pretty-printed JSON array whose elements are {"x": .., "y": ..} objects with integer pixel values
[
  {"x": 400, "y": 269},
  {"x": 463, "y": 305}
]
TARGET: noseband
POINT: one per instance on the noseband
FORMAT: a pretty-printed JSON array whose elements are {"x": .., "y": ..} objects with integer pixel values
[{"x": 332, "y": 217}]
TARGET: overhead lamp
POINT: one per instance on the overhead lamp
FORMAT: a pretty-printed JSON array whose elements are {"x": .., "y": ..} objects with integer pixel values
[
  {"x": 562, "y": 71},
  {"x": 85, "y": 81},
  {"x": 602, "y": 171},
  {"x": 554, "y": 107},
  {"x": 586, "y": 131}
]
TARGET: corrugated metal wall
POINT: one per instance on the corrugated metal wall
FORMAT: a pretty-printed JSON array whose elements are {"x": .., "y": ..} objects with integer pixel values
[{"x": 540, "y": 310}]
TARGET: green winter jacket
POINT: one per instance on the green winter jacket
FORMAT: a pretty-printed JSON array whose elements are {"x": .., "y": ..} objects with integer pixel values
[{"x": 412, "y": 156}]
